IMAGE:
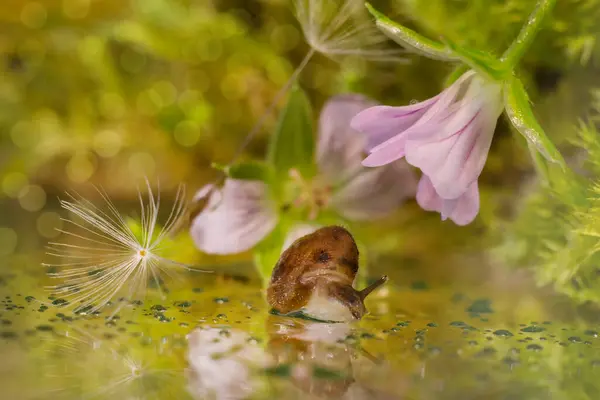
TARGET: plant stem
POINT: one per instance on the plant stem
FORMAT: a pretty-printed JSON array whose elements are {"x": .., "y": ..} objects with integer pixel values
[{"x": 528, "y": 32}]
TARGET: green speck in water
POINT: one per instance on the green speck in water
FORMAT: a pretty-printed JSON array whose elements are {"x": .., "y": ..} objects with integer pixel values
[
  {"x": 480, "y": 306},
  {"x": 503, "y": 333},
  {"x": 197, "y": 290},
  {"x": 281, "y": 371},
  {"x": 575, "y": 339},
  {"x": 158, "y": 307},
  {"x": 44, "y": 328},
  {"x": 60, "y": 302},
  {"x": 8, "y": 335},
  {"x": 591, "y": 333},
  {"x": 432, "y": 325},
  {"x": 29, "y": 299},
  {"x": 533, "y": 329},
  {"x": 419, "y": 285},
  {"x": 534, "y": 347},
  {"x": 183, "y": 304},
  {"x": 326, "y": 373},
  {"x": 43, "y": 308},
  {"x": 403, "y": 323}
]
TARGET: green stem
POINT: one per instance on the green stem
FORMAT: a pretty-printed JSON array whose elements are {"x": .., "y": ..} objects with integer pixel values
[{"x": 521, "y": 44}]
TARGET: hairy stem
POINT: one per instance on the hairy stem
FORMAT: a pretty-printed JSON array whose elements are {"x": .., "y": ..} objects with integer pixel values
[{"x": 528, "y": 32}]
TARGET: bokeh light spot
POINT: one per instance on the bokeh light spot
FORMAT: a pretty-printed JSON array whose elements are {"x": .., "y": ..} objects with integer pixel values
[
  {"x": 167, "y": 92},
  {"x": 48, "y": 224},
  {"x": 285, "y": 37},
  {"x": 209, "y": 49},
  {"x": 32, "y": 198},
  {"x": 80, "y": 168},
  {"x": 107, "y": 143},
  {"x": 76, "y": 9},
  {"x": 112, "y": 105},
  {"x": 24, "y": 134},
  {"x": 34, "y": 15},
  {"x": 141, "y": 165},
  {"x": 8, "y": 241},
  {"x": 234, "y": 87},
  {"x": 13, "y": 183},
  {"x": 187, "y": 133}
]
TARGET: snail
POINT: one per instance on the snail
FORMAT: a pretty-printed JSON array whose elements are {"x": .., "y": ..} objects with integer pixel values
[{"x": 315, "y": 276}]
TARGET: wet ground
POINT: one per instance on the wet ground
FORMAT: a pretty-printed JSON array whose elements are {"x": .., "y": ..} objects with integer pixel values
[{"x": 214, "y": 337}]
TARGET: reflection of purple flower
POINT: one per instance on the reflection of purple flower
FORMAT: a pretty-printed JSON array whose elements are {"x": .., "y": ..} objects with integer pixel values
[
  {"x": 242, "y": 213},
  {"x": 448, "y": 137}
]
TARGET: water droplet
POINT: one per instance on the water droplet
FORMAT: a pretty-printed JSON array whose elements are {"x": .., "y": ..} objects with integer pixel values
[
  {"x": 533, "y": 329},
  {"x": 575, "y": 339},
  {"x": 503, "y": 333},
  {"x": 591, "y": 333},
  {"x": 221, "y": 300},
  {"x": 534, "y": 347},
  {"x": 480, "y": 306}
]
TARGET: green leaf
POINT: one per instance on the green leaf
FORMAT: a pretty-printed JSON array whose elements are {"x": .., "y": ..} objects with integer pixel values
[
  {"x": 292, "y": 144},
  {"x": 267, "y": 252},
  {"x": 410, "y": 39},
  {"x": 480, "y": 61},
  {"x": 521, "y": 116},
  {"x": 248, "y": 171}
]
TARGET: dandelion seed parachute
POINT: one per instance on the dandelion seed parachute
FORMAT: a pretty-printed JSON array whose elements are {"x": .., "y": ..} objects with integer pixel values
[{"x": 108, "y": 258}]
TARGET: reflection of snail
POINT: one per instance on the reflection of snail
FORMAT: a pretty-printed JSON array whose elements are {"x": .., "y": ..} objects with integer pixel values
[{"x": 315, "y": 275}]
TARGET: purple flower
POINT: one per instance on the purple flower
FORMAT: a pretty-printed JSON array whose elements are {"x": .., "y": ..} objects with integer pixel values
[
  {"x": 448, "y": 137},
  {"x": 242, "y": 213}
]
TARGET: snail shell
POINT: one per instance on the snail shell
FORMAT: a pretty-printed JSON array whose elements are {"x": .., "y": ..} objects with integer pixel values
[{"x": 315, "y": 275}]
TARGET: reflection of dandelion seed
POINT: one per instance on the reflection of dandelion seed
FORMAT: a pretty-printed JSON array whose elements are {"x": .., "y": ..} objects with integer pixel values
[
  {"x": 111, "y": 258},
  {"x": 118, "y": 371}
]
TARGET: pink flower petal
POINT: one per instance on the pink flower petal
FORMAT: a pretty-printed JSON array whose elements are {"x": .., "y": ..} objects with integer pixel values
[
  {"x": 462, "y": 210},
  {"x": 454, "y": 154},
  {"x": 340, "y": 148},
  {"x": 235, "y": 218},
  {"x": 375, "y": 192},
  {"x": 382, "y": 123}
]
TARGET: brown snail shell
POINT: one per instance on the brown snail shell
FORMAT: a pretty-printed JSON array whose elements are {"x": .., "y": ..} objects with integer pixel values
[{"x": 315, "y": 275}]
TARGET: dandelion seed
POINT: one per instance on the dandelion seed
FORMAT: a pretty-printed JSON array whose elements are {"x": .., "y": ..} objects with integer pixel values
[
  {"x": 337, "y": 28},
  {"x": 107, "y": 258}
]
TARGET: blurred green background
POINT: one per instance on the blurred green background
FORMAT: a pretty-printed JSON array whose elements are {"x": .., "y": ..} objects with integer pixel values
[{"x": 106, "y": 92}]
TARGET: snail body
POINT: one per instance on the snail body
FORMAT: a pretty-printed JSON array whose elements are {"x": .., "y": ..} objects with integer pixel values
[{"x": 315, "y": 275}]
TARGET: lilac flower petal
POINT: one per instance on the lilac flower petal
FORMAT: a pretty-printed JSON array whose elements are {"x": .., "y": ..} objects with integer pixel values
[
  {"x": 467, "y": 206},
  {"x": 438, "y": 109},
  {"x": 392, "y": 151},
  {"x": 375, "y": 193},
  {"x": 454, "y": 154},
  {"x": 462, "y": 210},
  {"x": 340, "y": 148},
  {"x": 235, "y": 219},
  {"x": 427, "y": 197},
  {"x": 297, "y": 232},
  {"x": 381, "y": 123}
]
